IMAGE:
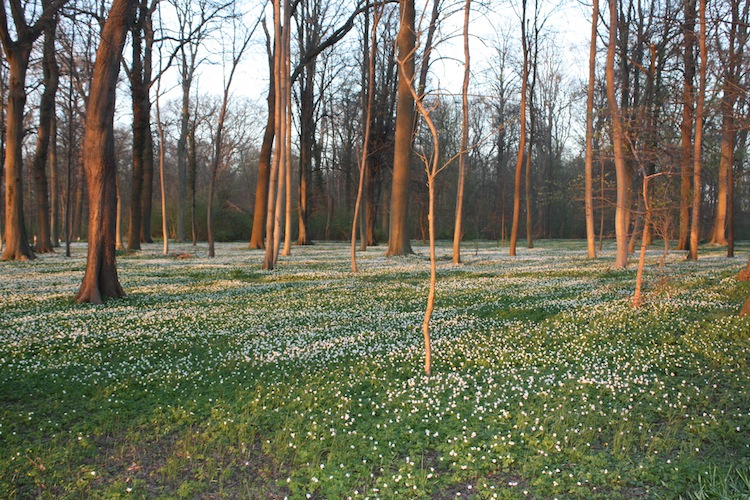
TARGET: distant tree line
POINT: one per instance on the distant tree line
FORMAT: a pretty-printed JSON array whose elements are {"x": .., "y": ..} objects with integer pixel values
[{"x": 653, "y": 143}]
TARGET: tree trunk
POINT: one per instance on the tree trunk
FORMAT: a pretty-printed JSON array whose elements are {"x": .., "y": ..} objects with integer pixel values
[
  {"x": 398, "y": 237},
  {"x": 745, "y": 311},
  {"x": 521, "y": 137},
  {"x": 686, "y": 126},
  {"x": 140, "y": 124},
  {"x": 192, "y": 174},
  {"x": 100, "y": 279},
  {"x": 41, "y": 157},
  {"x": 589, "y": 165},
  {"x": 695, "y": 217},
  {"x": 185, "y": 85},
  {"x": 621, "y": 224},
  {"x": 147, "y": 190},
  {"x": 369, "y": 92},
  {"x": 54, "y": 186},
  {"x": 264, "y": 163},
  {"x": 457, "y": 230},
  {"x": 16, "y": 241}
]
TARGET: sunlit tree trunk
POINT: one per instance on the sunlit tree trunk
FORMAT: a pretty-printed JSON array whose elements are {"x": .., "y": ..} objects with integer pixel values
[
  {"x": 264, "y": 162},
  {"x": 273, "y": 208},
  {"x": 457, "y": 231},
  {"x": 16, "y": 241},
  {"x": 589, "y": 165},
  {"x": 621, "y": 222},
  {"x": 398, "y": 236},
  {"x": 100, "y": 279},
  {"x": 697, "y": 186},
  {"x": 521, "y": 136}
]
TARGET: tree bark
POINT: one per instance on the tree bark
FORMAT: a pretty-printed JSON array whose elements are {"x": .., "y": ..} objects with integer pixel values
[
  {"x": 264, "y": 163},
  {"x": 621, "y": 223},
  {"x": 398, "y": 237},
  {"x": 589, "y": 162},
  {"x": 686, "y": 126},
  {"x": 457, "y": 229},
  {"x": 54, "y": 186},
  {"x": 140, "y": 125},
  {"x": 42, "y": 156},
  {"x": 100, "y": 279},
  {"x": 695, "y": 216},
  {"x": 521, "y": 137}
]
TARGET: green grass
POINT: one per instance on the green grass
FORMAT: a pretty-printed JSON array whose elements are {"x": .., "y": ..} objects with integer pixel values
[{"x": 215, "y": 379}]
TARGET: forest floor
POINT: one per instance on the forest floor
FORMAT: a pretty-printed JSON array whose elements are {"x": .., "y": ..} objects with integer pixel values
[{"x": 214, "y": 379}]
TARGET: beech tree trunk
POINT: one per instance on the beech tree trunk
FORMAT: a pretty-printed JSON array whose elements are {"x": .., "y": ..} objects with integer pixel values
[
  {"x": 686, "y": 126},
  {"x": 695, "y": 216},
  {"x": 264, "y": 163},
  {"x": 16, "y": 241},
  {"x": 44, "y": 132},
  {"x": 621, "y": 222},
  {"x": 54, "y": 185},
  {"x": 521, "y": 137},
  {"x": 589, "y": 165},
  {"x": 457, "y": 229},
  {"x": 398, "y": 232},
  {"x": 100, "y": 279}
]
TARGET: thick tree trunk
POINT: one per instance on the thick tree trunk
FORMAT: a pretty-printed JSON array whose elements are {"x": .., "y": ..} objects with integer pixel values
[
  {"x": 695, "y": 216},
  {"x": 398, "y": 237},
  {"x": 41, "y": 157},
  {"x": 140, "y": 124},
  {"x": 686, "y": 126},
  {"x": 16, "y": 241},
  {"x": 621, "y": 223},
  {"x": 100, "y": 279},
  {"x": 264, "y": 163}
]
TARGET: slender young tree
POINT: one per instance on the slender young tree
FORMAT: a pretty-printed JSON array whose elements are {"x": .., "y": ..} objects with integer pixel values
[
  {"x": 589, "y": 162},
  {"x": 100, "y": 279},
  {"x": 273, "y": 211},
  {"x": 457, "y": 229},
  {"x": 521, "y": 136},
  {"x": 238, "y": 50},
  {"x": 369, "y": 92}
]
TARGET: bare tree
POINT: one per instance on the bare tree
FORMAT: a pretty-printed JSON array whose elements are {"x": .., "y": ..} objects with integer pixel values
[
  {"x": 237, "y": 51},
  {"x": 366, "y": 135}
]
